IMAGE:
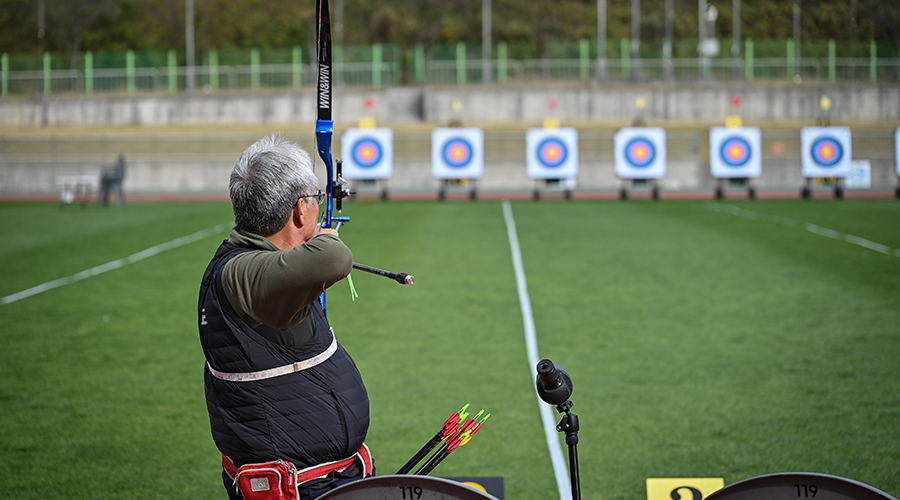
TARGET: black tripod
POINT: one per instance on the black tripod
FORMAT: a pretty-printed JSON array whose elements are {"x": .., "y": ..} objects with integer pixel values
[{"x": 554, "y": 386}]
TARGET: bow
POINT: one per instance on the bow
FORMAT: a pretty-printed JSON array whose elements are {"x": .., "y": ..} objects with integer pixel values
[{"x": 335, "y": 191}]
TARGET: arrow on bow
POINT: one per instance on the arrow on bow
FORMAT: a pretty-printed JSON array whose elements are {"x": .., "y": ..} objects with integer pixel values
[{"x": 335, "y": 191}]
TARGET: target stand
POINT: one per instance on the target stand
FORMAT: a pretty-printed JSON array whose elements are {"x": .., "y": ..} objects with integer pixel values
[
  {"x": 552, "y": 159},
  {"x": 637, "y": 185},
  {"x": 827, "y": 159},
  {"x": 835, "y": 184},
  {"x": 458, "y": 185},
  {"x": 742, "y": 183},
  {"x": 457, "y": 159},
  {"x": 734, "y": 158},
  {"x": 567, "y": 186},
  {"x": 368, "y": 154},
  {"x": 640, "y": 159}
]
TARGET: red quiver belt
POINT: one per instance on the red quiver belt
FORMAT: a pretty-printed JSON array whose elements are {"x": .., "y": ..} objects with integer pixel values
[{"x": 280, "y": 479}]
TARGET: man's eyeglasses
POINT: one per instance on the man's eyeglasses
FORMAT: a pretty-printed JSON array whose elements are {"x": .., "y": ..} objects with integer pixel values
[{"x": 318, "y": 195}]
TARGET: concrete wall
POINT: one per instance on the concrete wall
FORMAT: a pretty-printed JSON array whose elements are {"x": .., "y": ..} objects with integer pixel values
[
  {"x": 198, "y": 158},
  {"x": 614, "y": 104},
  {"x": 159, "y": 165}
]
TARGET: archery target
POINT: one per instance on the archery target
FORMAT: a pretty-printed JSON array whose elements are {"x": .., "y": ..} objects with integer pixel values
[
  {"x": 368, "y": 153},
  {"x": 640, "y": 153},
  {"x": 457, "y": 153},
  {"x": 552, "y": 153},
  {"x": 735, "y": 152},
  {"x": 826, "y": 151}
]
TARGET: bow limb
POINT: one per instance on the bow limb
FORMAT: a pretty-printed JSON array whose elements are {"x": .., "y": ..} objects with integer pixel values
[{"x": 324, "y": 123}]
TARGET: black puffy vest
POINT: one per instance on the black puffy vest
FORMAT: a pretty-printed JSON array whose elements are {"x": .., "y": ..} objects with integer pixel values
[{"x": 317, "y": 415}]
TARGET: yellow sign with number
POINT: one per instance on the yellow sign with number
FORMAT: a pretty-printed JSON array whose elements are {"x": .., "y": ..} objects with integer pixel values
[
  {"x": 683, "y": 488},
  {"x": 551, "y": 122},
  {"x": 733, "y": 121},
  {"x": 367, "y": 122}
]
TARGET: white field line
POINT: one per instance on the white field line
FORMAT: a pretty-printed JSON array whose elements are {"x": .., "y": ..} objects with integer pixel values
[
  {"x": 547, "y": 417},
  {"x": 116, "y": 264},
  {"x": 821, "y": 231}
]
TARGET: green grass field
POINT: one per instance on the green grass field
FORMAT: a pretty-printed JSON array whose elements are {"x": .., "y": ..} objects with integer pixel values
[{"x": 703, "y": 341}]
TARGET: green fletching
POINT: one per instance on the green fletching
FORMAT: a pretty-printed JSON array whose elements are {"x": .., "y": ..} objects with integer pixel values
[{"x": 353, "y": 294}]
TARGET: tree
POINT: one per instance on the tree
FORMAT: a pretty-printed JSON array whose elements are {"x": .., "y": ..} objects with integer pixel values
[{"x": 72, "y": 18}]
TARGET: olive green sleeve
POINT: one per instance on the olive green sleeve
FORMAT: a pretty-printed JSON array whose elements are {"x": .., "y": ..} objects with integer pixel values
[{"x": 275, "y": 286}]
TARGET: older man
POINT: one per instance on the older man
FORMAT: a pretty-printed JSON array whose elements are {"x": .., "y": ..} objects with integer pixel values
[{"x": 279, "y": 387}]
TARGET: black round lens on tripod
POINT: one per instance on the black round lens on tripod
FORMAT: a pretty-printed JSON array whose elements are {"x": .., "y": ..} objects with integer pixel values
[
  {"x": 548, "y": 374},
  {"x": 554, "y": 385}
]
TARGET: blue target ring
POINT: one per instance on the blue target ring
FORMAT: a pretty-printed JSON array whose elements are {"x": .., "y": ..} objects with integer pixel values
[
  {"x": 457, "y": 153},
  {"x": 735, "y": 152},
  {"x": 552, "y": 152},
  {"x": 366, "y": 153},
  {"x": 640, "y": 152},
  {"x": 827, "y": 152}
]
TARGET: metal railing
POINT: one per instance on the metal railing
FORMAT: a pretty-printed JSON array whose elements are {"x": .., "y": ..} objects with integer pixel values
[{"x": 443, "y": 72}]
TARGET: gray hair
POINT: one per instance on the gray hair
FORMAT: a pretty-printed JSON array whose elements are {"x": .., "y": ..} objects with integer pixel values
[{"x": 267, "y": 182}]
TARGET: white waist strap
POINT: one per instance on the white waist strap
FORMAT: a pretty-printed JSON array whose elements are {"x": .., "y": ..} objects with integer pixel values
[{"x": 279, "y": 371}]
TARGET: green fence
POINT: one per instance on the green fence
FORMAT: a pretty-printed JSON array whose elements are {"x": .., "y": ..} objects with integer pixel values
[{"x": 388, "y": 65}]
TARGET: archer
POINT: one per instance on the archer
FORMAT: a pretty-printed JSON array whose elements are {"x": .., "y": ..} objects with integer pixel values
[{"x": 288, "y": 408}]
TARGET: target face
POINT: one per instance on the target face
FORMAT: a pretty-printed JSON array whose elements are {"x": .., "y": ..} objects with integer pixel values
[
  {"x": 826, "y": 152},
  {"x": 457, "y": 153},
  {"x": 552, "y": 153},
  {"x": 368, "y": 153},
  {"x": 640, "y": 153},
  {"x": 735, "y": 152}
]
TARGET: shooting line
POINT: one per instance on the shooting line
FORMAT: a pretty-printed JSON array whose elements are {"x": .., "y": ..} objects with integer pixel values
[
  {"x": 547, "y": 417},
  {"x": 116, "y": 264},
  {"x": 821, "y": 231}
]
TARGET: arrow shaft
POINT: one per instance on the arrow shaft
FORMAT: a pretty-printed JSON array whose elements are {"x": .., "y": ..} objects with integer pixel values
[
  {"x": 420, "y": 455},
  {"x": 402, "y": 278}
]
